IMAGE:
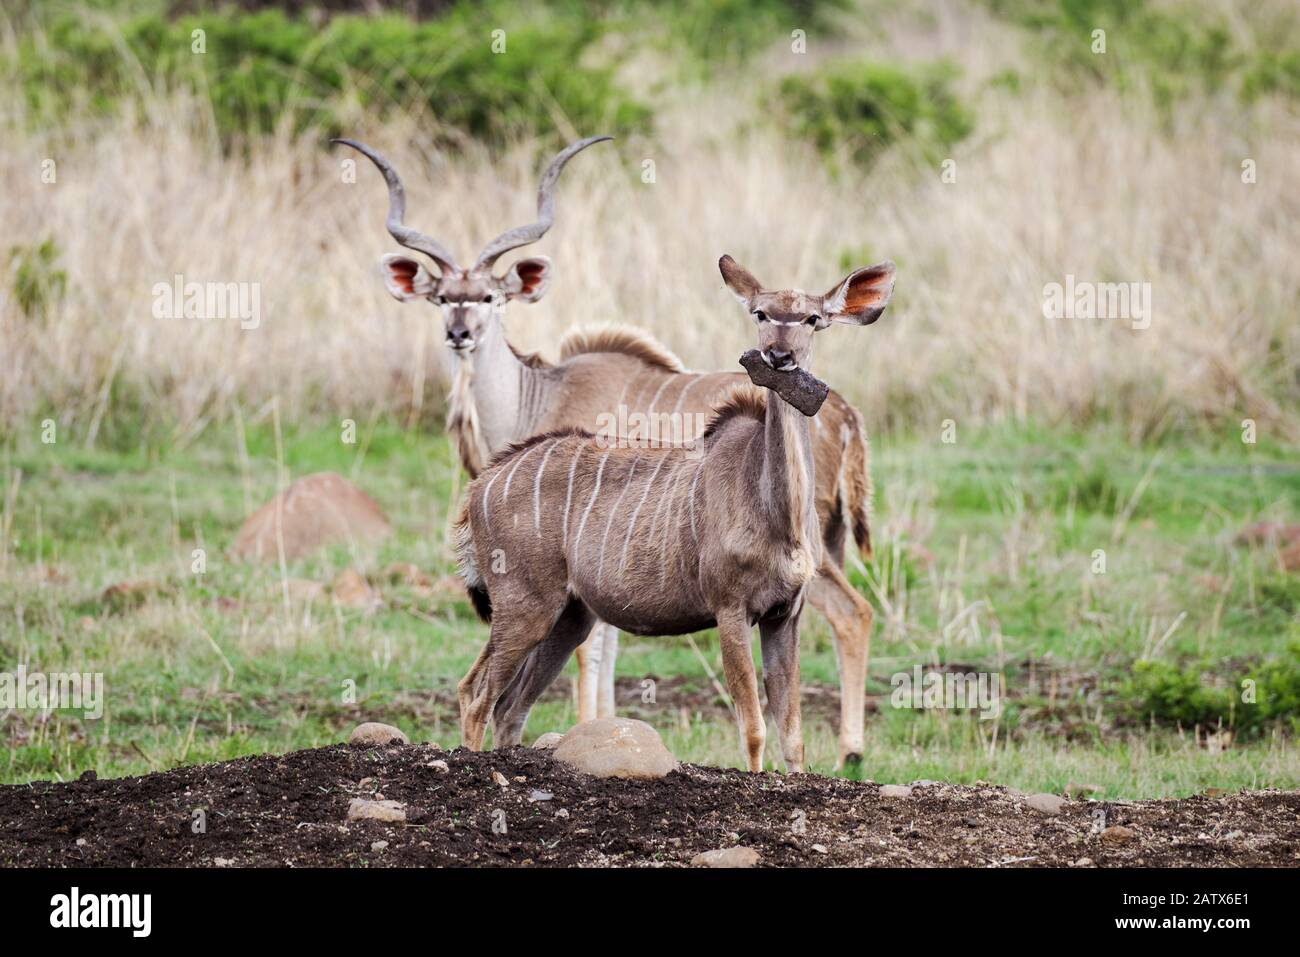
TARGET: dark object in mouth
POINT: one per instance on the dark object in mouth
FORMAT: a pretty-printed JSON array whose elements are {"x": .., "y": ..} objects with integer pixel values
[{"x": 800, "y": 388}]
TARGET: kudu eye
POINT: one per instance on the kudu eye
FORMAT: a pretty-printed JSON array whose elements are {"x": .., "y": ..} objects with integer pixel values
[
  {"x": 813, "y": 319},
  {"x": 760, "y": 315},
  {"x": 488, "y": 297}
]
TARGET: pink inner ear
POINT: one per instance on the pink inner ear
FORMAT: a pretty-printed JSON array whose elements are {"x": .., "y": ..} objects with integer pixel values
[
  {"x": 403, "y": 274},
  {"x": 867, "y": 292},
  {"x": 530, "y": 275}
]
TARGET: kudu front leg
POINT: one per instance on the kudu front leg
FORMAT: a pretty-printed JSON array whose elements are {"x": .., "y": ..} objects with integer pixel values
[
  {"x": 742, "y": 684},
  {"x": 780, "y": 642}
]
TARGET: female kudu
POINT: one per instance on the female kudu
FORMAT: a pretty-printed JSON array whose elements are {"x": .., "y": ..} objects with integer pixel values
[{"x": 660, "y": 541}]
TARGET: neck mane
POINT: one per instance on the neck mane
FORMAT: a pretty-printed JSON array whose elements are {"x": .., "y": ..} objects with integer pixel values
[{"x": 497, "y": 396}]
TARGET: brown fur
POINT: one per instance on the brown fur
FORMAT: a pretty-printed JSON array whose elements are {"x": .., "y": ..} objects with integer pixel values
[{"x": 623, "y": 339}]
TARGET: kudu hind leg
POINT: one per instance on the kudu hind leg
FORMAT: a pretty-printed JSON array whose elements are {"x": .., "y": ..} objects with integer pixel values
[
  {"x": 543, "y": 665},
  {"x": 513, "y": 637},
  {"x": 850, "y": 617},
  {"x": 780, "y": 643}
]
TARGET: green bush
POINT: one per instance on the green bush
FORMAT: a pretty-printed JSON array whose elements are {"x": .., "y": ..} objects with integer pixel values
[
  {"x": 861, "y": 108},
  {"x": 259, "y": 67},
  {"x": 1174, "y": 694},
  {"x": 1167, "y": 51},
  {"x": 38, "y": 280}
]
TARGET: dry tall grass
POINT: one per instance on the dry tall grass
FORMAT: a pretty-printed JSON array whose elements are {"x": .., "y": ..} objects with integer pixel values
[{"x": 1051, "y": 184}]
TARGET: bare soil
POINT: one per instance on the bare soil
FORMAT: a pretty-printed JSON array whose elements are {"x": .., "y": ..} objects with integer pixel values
[{"x": 292, "y": 810}]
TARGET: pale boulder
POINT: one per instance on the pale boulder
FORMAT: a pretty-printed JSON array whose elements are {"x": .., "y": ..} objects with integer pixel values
[
  {"x": 616, "y": 748},
  {"x": 375, "y": 733}
]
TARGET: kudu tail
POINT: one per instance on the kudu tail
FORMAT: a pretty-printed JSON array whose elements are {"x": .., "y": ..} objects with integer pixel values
[
  {"x": 469, "y": 571},
  {"x": 855, "y": 481}
]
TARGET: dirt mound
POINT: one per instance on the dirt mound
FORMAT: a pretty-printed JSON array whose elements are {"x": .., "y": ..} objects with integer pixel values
[
  {"x": 319, "y": 509},
  {"x": 275, "y": 811}
]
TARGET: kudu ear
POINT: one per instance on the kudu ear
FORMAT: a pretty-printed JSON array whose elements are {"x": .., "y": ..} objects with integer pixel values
[
  {"x": 862, "y": 296},
  {"x": 528, "y": 279},
  {"x": 739, "y": 280},
  {"x": 405, "y": 278}
]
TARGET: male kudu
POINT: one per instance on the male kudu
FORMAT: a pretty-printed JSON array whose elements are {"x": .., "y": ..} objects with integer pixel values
[
  {"x": 567, "y": 527},
  {"x": 500, "y": 396}
]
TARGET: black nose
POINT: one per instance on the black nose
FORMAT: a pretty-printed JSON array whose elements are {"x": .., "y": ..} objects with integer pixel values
[
  {"x": 779, "y": 357},
  {"x": 458, "y": 334}
]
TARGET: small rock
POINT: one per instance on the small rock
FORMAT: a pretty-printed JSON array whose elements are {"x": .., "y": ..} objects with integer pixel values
[
  {"x": 378, "y": 845},
  {"x": 404, "y": 573},
  {"x": 500, "y": 779},
  {"x": 895, "y": 791},
  {"x": 81, "y": 842},
  {"x": 1234, "y": 835},
  {"x": 439, "y": 765},
  {"x": 374, "y": 733},
  {"x": 1049, "y": 804},
  {"x": 616, "y": 748},
  {"x": 1083, "y": 862},
  {"x": 350, "y": 590},
  {"x": 126, "y": 596},
  {"x": 536, "y": 795},
  {"x": 1118, "y": 834},
  {"x": 549, "y": 740},
  {"x": 819, "y": 848},
  {"x": 363, "y": 810},
  {"x": 562, "y": 812},
  {"x": 222, "y": 861},
  {"x": 304, "y": 591},
  {"x": 726, "y": 857}
]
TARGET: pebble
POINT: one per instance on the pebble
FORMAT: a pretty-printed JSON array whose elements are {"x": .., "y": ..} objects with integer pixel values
[
  {"x": 726, "y": 857},
  {"x": 363, "y": 810},
  {"x": 439, "y": 765},
  {"x": 378, "y": 846},
  {"x": 1118, "y": 834},
  {"x": 895, "y": 791},
  {"x": 547, "y": 741},
  {"x": 500, "y": 779},
  {"x": 1049, "y": 804},
  {"x": 536, "y": 795}
]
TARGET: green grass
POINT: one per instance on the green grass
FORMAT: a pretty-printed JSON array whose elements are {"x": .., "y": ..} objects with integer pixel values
[{"x": 984, "y": 557}]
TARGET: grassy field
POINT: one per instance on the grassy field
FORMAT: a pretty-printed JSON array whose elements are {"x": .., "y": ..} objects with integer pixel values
[
  {"x": 986, "y": 557},
  {"x": 1079, "y": 535}
]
